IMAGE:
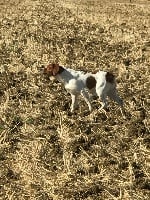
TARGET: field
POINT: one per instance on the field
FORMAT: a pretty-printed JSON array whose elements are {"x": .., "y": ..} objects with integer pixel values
[{"x": 47, "y": 152}]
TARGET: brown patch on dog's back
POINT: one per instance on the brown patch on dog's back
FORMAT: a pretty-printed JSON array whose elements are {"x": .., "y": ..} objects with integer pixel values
[
  {"x": 90, "y": 82},
  {"x": 95, "y": 71},
  {"x": 110, "y": 77}
]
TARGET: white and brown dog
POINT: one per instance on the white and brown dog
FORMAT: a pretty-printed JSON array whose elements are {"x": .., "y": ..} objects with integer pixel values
[{"x": 101, "y": 84}]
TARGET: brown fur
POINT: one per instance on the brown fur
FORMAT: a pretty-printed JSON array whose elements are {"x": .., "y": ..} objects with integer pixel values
[
  {"x": 95, "y": 71},
  {"x": 53, "y": 69},
  {"x": 90, "y": 82},
  {"x": 110, "y": 77}
]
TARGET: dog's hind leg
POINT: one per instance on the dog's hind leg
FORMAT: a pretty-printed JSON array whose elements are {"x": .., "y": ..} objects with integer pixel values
[
  {"x": 113, "y": 95},
  {"x": 102, "y": 94}
]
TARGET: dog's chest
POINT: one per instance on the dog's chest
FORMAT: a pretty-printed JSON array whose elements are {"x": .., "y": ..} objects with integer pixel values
[
  {"x": 74, "y": 85},
  {"x": 75, "y": 82}
]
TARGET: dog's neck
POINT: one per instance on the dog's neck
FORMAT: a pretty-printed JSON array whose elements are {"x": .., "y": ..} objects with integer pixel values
[{"x": 64, "y": 75}]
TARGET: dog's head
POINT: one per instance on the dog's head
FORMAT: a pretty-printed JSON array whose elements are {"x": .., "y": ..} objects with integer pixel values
[{"x": 52, "y": 69}]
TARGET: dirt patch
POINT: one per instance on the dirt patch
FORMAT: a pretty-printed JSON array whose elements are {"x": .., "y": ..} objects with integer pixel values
[{"x": 47, "y": 152}]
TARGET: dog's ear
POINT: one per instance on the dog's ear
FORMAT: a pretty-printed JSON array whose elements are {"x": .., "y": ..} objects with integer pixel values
[
  {"x": 55, "y": 69},
  {"x": 48, "y": 70},
  {"x": 52, "y": 69}
]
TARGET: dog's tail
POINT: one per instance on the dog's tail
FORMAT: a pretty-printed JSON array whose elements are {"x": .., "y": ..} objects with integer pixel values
[{"x": 110, "y": 77}]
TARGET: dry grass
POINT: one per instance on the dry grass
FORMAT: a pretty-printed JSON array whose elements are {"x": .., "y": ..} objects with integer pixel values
[{"x": 47, "y": 153}]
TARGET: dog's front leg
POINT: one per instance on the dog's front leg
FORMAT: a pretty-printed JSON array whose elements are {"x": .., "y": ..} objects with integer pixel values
[
  {"x": 74, "y": 102},
  {"x": 86, "y": 96}
]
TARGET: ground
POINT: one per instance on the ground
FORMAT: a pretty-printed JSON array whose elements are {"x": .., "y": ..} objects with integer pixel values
[{"x": 47, "y": 152}]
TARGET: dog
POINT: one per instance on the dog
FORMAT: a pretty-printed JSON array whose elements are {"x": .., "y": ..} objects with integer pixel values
[{"x": 101, "y": 84}]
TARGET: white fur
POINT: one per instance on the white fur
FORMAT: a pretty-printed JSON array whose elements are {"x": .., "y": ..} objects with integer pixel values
[{"x": 75, "y": 84}]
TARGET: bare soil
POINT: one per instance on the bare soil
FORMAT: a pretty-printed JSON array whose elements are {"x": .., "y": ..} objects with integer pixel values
[{"x": 48, "y": 153}]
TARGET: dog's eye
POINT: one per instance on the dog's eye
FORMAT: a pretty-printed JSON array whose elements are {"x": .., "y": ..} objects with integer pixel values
[{"x": 45, "y": 71}]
